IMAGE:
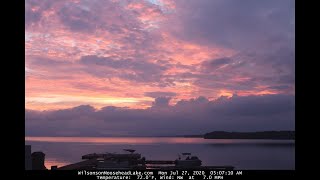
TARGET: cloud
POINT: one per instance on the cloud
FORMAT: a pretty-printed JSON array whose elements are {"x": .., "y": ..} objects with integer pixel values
[
  {"x": 78, "y": 19},
  {"x": 220, "y": 62},
  {"x": 124, "y": 53},
  {"x": 36, "y": 11},
  {"x": 131, "y": 69},
  {"x": 92, "y": 16},
  {"x": 161, "y": 102},
  {"x": 262, "y": 34},
  {"x": 137, "y": 65},
  {"x": 157, "y": 94},
  {"x": 194, "y": 116},
  {"x": 235, "y": 24},
  {"x": 216, "y": 63},
  {"x": 32, "y": 17}
]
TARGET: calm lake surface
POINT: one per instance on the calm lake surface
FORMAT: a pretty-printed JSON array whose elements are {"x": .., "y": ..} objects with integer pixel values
[{"x": 242, "y": 154}]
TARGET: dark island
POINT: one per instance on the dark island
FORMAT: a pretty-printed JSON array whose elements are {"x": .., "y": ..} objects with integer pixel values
[{"x": 279, "y": 135}]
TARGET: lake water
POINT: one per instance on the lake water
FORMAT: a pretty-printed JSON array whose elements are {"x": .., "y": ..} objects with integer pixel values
[{"x": 242, "y": 154}]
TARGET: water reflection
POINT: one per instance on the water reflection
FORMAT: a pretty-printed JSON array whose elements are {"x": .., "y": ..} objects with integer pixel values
[
  {"x": 243, "y": 154},
  {"x": 153, "y": 140},
  {"x": 116, "y": 140}
]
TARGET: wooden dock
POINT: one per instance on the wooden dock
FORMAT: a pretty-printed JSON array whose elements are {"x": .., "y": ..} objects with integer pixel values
[{"x": 159, "y": 162}]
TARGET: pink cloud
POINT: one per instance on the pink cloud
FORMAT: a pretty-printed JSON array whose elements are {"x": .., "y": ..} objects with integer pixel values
[{"x": 137, "y": 50}]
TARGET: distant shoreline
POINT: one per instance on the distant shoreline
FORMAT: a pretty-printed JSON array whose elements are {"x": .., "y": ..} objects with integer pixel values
[{"x": 272, "y": 135}]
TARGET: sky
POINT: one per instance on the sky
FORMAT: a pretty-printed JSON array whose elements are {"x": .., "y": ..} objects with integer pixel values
[{"x": 158, "y": 67}]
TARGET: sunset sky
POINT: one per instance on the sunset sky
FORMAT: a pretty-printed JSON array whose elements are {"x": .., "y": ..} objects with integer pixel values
[{"x": 114, "y": 61}]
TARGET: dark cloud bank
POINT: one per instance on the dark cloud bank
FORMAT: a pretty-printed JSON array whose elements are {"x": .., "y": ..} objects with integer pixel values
[{"x": 194, "y": 116}]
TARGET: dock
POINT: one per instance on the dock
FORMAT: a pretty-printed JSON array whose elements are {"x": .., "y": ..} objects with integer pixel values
[
  {"x": 159, "y": 162},
  {"x": 134, "y": 161}
]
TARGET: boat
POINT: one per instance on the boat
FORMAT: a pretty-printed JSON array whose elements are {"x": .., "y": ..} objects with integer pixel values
[{"x": 188, "y": 160}]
